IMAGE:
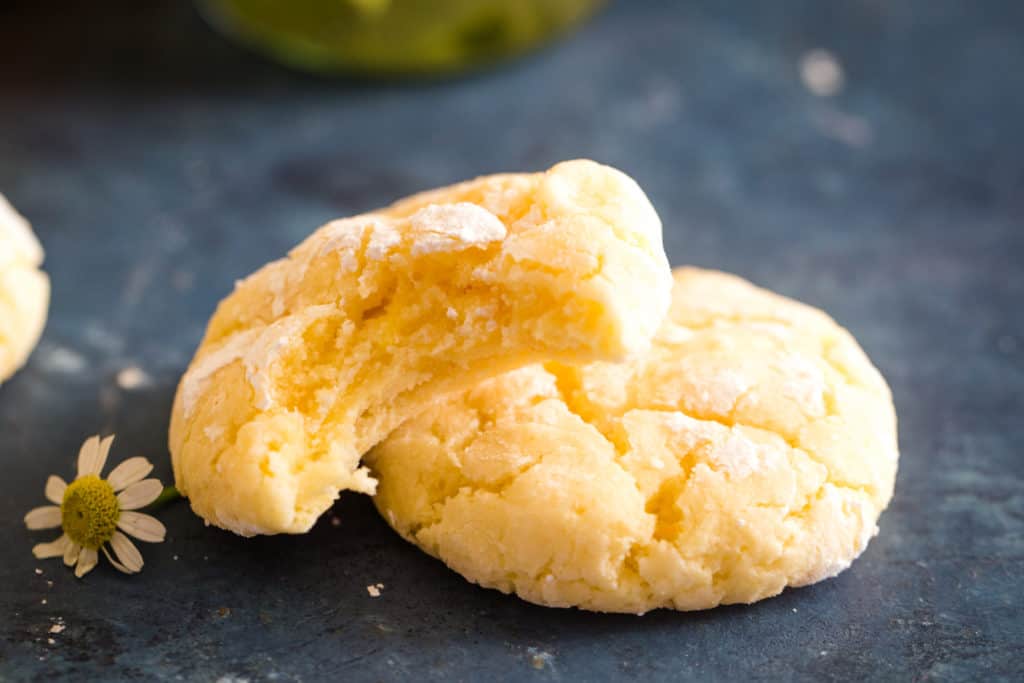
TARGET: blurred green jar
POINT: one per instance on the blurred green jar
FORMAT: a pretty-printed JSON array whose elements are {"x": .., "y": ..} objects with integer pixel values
[{"x": 394, "y": 36}]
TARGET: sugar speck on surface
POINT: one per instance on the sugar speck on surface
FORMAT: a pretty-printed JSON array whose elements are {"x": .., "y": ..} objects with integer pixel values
[
  {"x": 43, "y": 601},
  {"x": 39, "y": 571},
  {"x": 51, "y": 641},
  {"x": 849, "y": 129},
  {"x": 335, "y": 520},
  {"x": 821, "y": 73},
  {"x": 454, "y": 227},
  {"x": 62, "y": 360},
  {"x": 133, "y": 377}
]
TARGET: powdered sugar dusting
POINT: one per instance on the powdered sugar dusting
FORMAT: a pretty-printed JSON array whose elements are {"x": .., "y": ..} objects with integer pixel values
[
  {"x": 276, "y": 284},
  {"x": 454, "y": 227},
  {"x": 804, "y": 383},
  {"x": 345, "y": 236},
  {"x": 258, "y": 348},
  {"x": 720, "y": 390},
  {"x": 384, "y": 237},
  {"x": 194, "y": 381},
  {"x": 741, "y": 457},
  {"x": 670, "y": 333},
  {"x": 268, "y": 347}
]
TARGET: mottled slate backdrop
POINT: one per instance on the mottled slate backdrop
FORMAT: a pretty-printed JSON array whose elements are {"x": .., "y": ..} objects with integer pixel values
[{"x": 158, "y": 164}]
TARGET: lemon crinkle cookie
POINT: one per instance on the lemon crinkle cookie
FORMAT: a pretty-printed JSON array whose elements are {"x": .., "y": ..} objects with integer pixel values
[
  {"x": 318, "y": 356},
  {"x": 753, "y": 448},
  {"x": 24, "y": 290}
]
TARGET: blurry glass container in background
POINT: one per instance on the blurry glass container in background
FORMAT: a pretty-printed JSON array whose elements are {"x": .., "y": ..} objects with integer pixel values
[{"x": 394, "y": 36}]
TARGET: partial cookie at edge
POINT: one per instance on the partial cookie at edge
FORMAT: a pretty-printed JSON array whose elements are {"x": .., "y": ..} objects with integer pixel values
[{"x": 24, "y": 290}]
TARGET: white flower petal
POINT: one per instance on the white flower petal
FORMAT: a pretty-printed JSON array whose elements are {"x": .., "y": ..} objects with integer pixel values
[
  {"x": 142, "y": 527},
  {"x": 126, "y": 551},
  {"x": 44, "y": 551},
  {"x": 55, "y": 489},
  {"x": 86, "y": 561},
  {"x": 129, "y": 472},
  {"x": 88, "y": 457},
  {"x": 117, "y": 565},
  {"x": 71, "y": 553},
  {"x": 46, "y": 517},
  {"x": 140, "y": 494},
  {"x": 104, "y": 450}
]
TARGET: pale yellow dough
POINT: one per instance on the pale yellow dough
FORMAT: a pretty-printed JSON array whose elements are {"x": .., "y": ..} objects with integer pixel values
[
  {"x": 751, "y": 449},
  {"x": 24, "y": 290},
  {"x": 317, "y": 357}
]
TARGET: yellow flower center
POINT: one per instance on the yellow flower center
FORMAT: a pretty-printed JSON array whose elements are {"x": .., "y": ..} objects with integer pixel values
[{"x": 90, "y": 511}]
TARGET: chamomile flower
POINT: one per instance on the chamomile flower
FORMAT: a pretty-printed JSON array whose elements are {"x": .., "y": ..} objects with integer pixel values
[{"x": 96, "y": 513}]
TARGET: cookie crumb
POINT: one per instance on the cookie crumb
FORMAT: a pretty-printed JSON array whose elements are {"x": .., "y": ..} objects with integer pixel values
[
  {"x": 51, "y": 641},
  {"x": 539, "y": 658},
  {"x": 375, "y": 589},
  {"x": 39, "y": 572},
  {"x": 43, "y": 601},
  {"x": 821, "y": 73},
  {"x": 57, "y": 628},
  {"x": 133, "y": 377}
]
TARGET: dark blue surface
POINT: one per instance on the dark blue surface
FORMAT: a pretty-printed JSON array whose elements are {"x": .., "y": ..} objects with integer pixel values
[{"x": 158, "y": 164}]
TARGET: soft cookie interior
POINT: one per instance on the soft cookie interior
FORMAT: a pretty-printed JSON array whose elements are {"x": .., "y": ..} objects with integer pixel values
[
  {"x": 24, "y": 290},
  {"x": 315, "y": 358},
  {"x": 752, "y": 448}
]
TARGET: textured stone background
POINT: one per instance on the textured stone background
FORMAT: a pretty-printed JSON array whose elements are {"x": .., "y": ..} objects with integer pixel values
[{"x": 159, "y": 163}]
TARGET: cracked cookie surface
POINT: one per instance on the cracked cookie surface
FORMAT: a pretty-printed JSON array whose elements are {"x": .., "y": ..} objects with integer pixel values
[
  {"x": 24, "y": 290},
  {"x": 316, "y": 357},
  {"x": 752, "y": 448}
]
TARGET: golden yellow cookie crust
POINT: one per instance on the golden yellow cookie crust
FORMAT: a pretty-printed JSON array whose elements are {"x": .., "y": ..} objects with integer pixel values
[
  {"x": 316, "y": 357},
  {"x": 751, "y": 449},
  {"x": 24, "y": 290}
]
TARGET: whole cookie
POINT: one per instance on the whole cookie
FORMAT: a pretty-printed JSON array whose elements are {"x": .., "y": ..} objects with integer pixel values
[
  {"x": 317, "y": 357},
  {"x": 752, "y": 448},
  {"x": 24, "y": 290}
]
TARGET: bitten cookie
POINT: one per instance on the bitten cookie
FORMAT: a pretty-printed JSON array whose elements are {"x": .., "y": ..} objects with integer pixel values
[
  {"x": 751, "y": 449},
  {"x": 24, "y": 290},
  {"x": 317, "y": 357}
]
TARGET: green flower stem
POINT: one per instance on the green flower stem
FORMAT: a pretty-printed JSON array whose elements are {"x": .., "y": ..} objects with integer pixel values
[{"x": 166, "y": 496}]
